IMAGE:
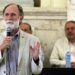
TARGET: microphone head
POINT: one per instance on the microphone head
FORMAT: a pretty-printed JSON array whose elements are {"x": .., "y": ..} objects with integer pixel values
[{"x": 9, "y": 30}]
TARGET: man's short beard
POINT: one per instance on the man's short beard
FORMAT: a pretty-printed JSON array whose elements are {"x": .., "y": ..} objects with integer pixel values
[{"x": 12, "y": 24}]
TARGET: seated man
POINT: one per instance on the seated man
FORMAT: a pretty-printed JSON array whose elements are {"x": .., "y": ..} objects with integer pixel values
[{"x": 67, "y": 43}]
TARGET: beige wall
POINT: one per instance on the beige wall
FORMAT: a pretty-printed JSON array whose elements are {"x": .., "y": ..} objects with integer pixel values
[
  {"x": 59, "y": 4},
  {"x": 54, "y": 4},
  {"x": 45, "y": 3}
]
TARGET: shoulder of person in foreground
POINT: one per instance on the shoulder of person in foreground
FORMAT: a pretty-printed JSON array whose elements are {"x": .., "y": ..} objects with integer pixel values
[
  {"x": 61, "y": 41},
  {"x": 33, "y": 44}
]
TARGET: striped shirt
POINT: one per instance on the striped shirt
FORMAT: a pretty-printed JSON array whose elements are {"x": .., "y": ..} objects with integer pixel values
[{"x": 12, "y": 57}]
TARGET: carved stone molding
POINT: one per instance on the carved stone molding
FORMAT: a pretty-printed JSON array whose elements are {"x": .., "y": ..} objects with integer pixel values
[{"x": 40, "y": 13}]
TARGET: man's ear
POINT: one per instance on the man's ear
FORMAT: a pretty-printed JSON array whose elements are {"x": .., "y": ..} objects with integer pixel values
[{"x": 21, "y": 18}]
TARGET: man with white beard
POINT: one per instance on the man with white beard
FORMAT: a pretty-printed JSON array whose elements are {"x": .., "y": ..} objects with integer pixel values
[{"x": 20, "y": 53}]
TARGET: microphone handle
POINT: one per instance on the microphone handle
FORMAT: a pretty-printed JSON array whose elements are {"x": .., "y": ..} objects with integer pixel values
[{"x": 8, "y": 33}]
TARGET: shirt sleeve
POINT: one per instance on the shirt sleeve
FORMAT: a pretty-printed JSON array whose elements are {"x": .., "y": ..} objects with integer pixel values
[
  {"x": 36, "y": 69},
  {"x": 2, "y": 35}
]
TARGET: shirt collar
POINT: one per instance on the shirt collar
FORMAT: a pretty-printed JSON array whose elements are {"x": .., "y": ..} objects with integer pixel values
[{"x": 17, "y": 34}]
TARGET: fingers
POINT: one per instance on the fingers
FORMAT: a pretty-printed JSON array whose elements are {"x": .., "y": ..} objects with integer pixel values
[
  {"x": 7, "y": 41},
  {"x": 36, "y": 47},
  {"x": 35, "y": 50}
]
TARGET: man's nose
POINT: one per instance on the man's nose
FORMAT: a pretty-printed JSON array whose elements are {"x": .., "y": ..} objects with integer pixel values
[{"x": 70, "y": 30}]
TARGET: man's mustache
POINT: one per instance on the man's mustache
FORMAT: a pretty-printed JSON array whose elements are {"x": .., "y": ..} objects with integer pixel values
[{"x": 9, "y": 22}]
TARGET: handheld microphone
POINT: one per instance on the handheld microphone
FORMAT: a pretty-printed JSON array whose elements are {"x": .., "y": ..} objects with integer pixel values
[{"x": 9, "y": 31}]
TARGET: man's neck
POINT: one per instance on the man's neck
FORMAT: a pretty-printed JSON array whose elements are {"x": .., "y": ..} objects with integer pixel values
[
  {"x": 14, "y": 32},
  {"x": 72, "y": 40}
]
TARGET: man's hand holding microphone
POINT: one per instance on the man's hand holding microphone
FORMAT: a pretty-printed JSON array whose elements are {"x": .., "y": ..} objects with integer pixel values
[{"x": 7, "y": 40}]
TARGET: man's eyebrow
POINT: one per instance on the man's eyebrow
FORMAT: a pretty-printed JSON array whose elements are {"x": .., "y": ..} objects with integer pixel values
[{"x": 10, "y": 13}]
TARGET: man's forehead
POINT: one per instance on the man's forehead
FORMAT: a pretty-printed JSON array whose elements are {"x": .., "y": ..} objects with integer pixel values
[
  {"x": 12, "y": 7},
  {"x": 25, "y": 26}
]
